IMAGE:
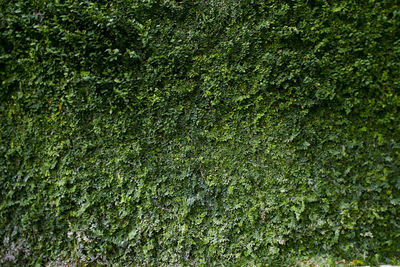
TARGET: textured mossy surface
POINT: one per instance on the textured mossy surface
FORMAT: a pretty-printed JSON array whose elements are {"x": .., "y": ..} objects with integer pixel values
[{"x": 199, "y": 132}]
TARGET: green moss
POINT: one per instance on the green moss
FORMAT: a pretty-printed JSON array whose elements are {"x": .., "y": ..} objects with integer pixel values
[{"x": 199, "y": 132}]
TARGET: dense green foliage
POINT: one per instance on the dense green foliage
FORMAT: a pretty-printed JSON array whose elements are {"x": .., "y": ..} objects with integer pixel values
[{"x": 199, "y": 132}]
